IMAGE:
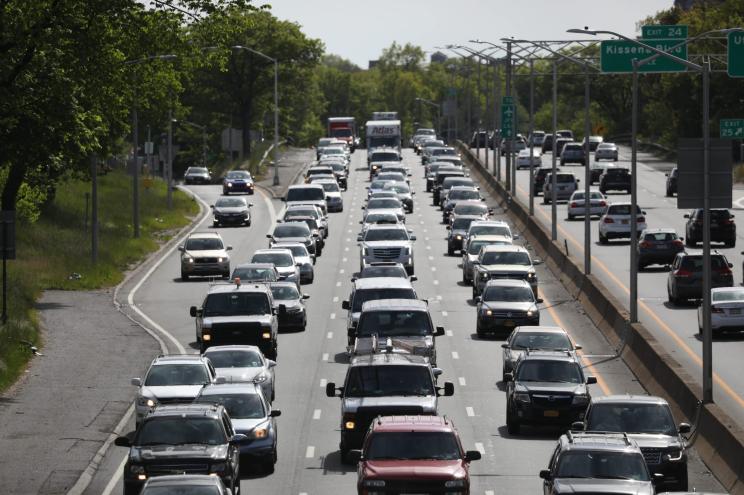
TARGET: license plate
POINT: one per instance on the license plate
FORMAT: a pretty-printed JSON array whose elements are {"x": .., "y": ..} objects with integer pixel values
[
  {"x": 661, "y": 246},
  {"x": 508, "y": 323},
  {"x": 734, "y": 311},
  {"x": 625, "y": 222},
  {"x": 551, "y": 413}
]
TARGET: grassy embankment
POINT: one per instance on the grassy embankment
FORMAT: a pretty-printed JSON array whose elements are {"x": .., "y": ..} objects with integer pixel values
[{"x": 54, "y": 252}]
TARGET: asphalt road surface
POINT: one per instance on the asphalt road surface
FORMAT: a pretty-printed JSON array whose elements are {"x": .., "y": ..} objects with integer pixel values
[{"x": 308, "y": 429}]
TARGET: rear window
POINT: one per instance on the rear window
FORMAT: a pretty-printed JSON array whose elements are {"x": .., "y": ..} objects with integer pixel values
[
  {"x": 660, "y": 237},
  {"x": 622, "y": 210},
  {"x": 306, "y": 194},
  {"x": 363, "y": 295},
  {"x": 695, "y": 263},
  {"x": 461, "y": 223},
  {"x": 616, "y": 171},
  {"x": 565, "y": 178}
]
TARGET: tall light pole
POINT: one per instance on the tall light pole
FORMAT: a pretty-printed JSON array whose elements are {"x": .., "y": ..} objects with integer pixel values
[
  {"x": 439, "y": 112},
  {"x": 276, "y": 106}
]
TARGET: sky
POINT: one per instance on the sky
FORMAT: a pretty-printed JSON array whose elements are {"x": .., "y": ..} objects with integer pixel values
[{"x": 359, "y": 30}]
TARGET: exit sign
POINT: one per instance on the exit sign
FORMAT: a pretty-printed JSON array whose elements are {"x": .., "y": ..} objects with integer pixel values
[
  {"x": 732, "y": 128},
  {"x": 664, "y": 32}
]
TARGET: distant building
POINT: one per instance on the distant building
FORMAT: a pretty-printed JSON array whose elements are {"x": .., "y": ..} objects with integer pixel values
[
  {"x": 438, "y": 58},
  {"x": 373, "y": 64}
]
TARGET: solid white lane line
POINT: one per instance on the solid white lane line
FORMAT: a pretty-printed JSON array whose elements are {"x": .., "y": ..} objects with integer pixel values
[
  {"x": 488, "y": 492},
  {"x": 428, "y": 247},
  {"x": 115, "y": 479},
  {"x": 323, "y": 382},
  {"x": 325, "y": 356},
  {"x": 310, "y": 452},
  {"x": 455, "y": 355},
  {"x": 470, "y": 412},
  {"x": 462, "y": 381},
  {"x": 316, "y": 414}
]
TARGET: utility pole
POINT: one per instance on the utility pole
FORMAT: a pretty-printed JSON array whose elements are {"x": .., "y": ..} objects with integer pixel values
[
  {"x": 587, "y": 175},
  {"x": 510, "y": 175},
  {"x": 135, "y": 176},
  {"x": 94, "y": 209},
  {"x": 169, "y": 161},
  {"x": 532, "y": 131},
  {"x": 276, "y": 122},
  {"x": 553, "y": 180}
]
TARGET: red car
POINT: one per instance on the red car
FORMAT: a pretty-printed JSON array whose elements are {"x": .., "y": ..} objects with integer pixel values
[{"x": 413, "y": 454}]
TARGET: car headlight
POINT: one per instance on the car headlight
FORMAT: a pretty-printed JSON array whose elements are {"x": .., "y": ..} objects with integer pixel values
[
  {"x": 484, "y": 275},
  {"x": 458, "y": 237},
  {"x": 218, "y": 468},
  {"x": 261, "y": 377},
  {"x": 580, "y": 400},
  {"x": 522, "y": 397},
  {"x": 266, "y": 335},
  {"x": 374, "y": 483},
  {"x": 260, "y": 433},
  {"x": 365, "y": 251},
  {"x": 350, "y": 425},
  {"x": 220, "y": 260},
  {"x": 146, "y": 402},
  {"x": 532, "y": 276},
  {"x": 137, "y": 469},
  {"x": 674, "y": 455},
  {"x": 487, "y": 312},
  {"x": 188, "y": 259},
  {"x": 532, "y": 311},
  {"x": 229, "y": 184},
  {"x": 454, "y": 484}
]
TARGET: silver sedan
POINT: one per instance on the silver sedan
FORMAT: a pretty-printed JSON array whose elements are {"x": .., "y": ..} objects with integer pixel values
[
  {"x": 597, "y": 204},
  {"x": 243, "y": 363}
]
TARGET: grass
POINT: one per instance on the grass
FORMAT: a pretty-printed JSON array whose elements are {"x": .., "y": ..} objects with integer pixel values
[
  {"x": 251, "y": 164},
  {"x": 54, "y": 252},
  {"x": 739, "y": 172}
]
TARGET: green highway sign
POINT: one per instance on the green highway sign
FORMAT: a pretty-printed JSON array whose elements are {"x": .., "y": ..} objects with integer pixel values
[
  {"x": 508, "y": 121},
  {"x": 664, "y": 32},
  {"x": 732, "y": 128},
  {"x": 736, "y": 54},
  {"x": 616, "y": 56},
  {"x": 507, "y": 100}
]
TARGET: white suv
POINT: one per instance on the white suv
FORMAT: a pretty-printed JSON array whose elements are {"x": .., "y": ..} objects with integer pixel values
[
  {"x": 615, "y": 222},
  {"x": 566, "y": 183},
  {"x": 204, "y": 253}
]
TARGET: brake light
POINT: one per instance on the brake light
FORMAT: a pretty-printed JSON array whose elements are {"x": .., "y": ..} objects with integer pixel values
[
  {"x": 574, "y": 205},
  {"x": 682, "y": 273},
  {"x": 645, "y": 244},
  {"x": 608, "y": 220},
  {"x": 602, "y": 203},
  {"x": 715, "y": 309},
  {"x": 724, "y": 270},
  {"x": 641, "y": 219},
  {"x": 678, "y": 243}
]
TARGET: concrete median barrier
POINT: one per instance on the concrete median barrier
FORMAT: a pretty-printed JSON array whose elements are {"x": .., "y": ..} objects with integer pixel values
[{"x": 719, "y": 440}]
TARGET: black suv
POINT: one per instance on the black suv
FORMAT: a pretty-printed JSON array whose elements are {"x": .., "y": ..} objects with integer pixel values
[
  {"x": 722, "y": 227},
  {"x": 539, "y": 178},
  {"x": 615, "y": 179},
  {"x": 671, "y": 182},
  {"x": 546, "y": 388},
  {"x": 182, "y": 439},
  {"x": 647, "y": 420},
  {"x": 685, "y": 279}
]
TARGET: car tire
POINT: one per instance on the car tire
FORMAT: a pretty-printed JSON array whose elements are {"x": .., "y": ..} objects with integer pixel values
[
  {"x": 570, "y": 217},
  {"x": 129, "y": 490},
  {"x": 512, "y": 426},
  {"x": 464, "y": 279},
  {"x": 226, "y": 275},
  {"x": 345, "y": 456},
  {"x": 215, "y": 224},
  {"x": 184, "y": 277},
  {"x": 730, "y": 244},
  {"x": 450, "y": 251},
  {"x": 248, "y": 223},
  {"x": 480, "y": 333},
  {"x": 668, "y": 193},
  {"x": 475, "y": 292},
  {"x": 602, "y": 239},
  {"x": 268, "y": 464},
  {"x": 671, "y": 299},
  {"x": 545, "y": 199}
]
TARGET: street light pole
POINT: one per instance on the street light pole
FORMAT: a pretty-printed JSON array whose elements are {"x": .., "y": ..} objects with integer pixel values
[
  {"x": 587, "y": 175},
  {"x": 634, "y": 199},
  {"x": 135, "y": 176},
  {"x": 532, "y": 131},
  {"x": 510, "y": 175},
  {"x": 553, "y": 180},
  {"x": 169, "y": 164}
]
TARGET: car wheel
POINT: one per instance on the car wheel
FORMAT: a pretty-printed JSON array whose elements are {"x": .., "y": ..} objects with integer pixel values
[
  {"x": 602, "y": 239},
  {"x": 512, "y": 425},
  {"x": 345, "y": 456},
  {"x": 570, "y": 217},
  {"x": 215, "y": 224},
  {"x": 731, "y": 243},
  {"x": 475, "y": 292},
  {"x": 464, "y": 278},
  {"x": 450, "y": 251},
  {"x": 184, "y": 277},
  {"x": 545, "y": 198},
  {"x": 668, "y": 193},
  {"x": 480, "y": 333},
  {"x": 226, "y": 275},
  {"x": 672, "y": 300}
]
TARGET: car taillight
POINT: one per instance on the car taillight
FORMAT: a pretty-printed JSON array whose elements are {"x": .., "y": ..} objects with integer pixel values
[
  {"x": 645, "y": 244},
  {"x": 608, "y": 220},
  {"x": 602, "y": 203},
  {"x": 715, "y": 309},
  {"x": 682, "y": 273},
  {"x": 724, "y": 270},
  {"x": 574, "y": 205},
  {"x": 641, "y": 219},
  {"x": 728, "y": 221},
  {"x": 678, "y": 243}
]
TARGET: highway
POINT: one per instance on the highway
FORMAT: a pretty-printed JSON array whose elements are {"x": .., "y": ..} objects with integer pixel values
[
  {"x": 309, "y": 425},
  {"x": 675, "y": 326}
]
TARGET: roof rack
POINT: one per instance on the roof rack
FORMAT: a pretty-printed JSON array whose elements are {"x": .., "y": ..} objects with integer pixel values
[{"x": 570, "y": 434}]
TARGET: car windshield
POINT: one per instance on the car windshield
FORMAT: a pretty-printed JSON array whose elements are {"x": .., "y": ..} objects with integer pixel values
[
  {"x": 728, "y": 295},
  {"x": 330, "y": 186},
  {"x": 490, "y": 230},
  {"x": 292, "y": 231},
  {"x": 338, "y": 167},
  {"x": 631, "y": 418},
  {"x": 361, "y": 296},
  {"x": 464, "y": 194},
  {"x": 384, "y": 157},
  {"x": 254, "y": 274},
  {"x": 452, "y": 182},
  {"x": 470, "y": 209},
  {"x": 475, "y": 246},
  {"x": 622, "y": 210},
  {"x": 383, "y": 203},
  {"x": 508, "y": 294},
  {"x": 297, "y": 251},
  {"x": 235, "y": 358},
  {"x": 461, "y": 223},
  {"x": 573, "y": 147},
  {"x": 660, "y": 237},
  {"x": 444, "y": 151},
  {"x": 300, "y": 212},
  {"x": 381, "y": 218},
  {"x": 238, "y": 174},
  {"x": 409, "y": 445},
  {"x": 391, "y": 176},
  {"x": 177, "y": 430},
  {"x": 285, "y": 292},
  {"x": 383, "y": 271},
  {"x": 506, "y": 258},
  {"x": 204, "y": 244},
  {"x": 332, "y": 151},
  {"x": 545, "y": 341},
  {"x": 399, "y": 187},
  {"x": 616, "y": 171},
  {"x": 387, "y": 380},
  {"x": 538, "y": 370},
  {"x": 229, "y": 202},
  {"x": 178, "y": 488},
  {"x": 599, "y": 464},
  {"x": 164, "y": 375},
  {"x": 606, "y": 146},
  {"x": 239, "y": 406},
  {"x": 277, "y": 259},
  {"x": 695, "y": 263},
  {"x": 196, "y": 170},
  {"x": 386, "y": 235},
  {"x": 319, "y": 171},
  {"x": 236, "y": 303},
  {"x": 305, "y": 194},
  {"x": 394, "y": 323}
]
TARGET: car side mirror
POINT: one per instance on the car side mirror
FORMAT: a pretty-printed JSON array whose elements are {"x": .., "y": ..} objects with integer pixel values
[
  {"x": 192, "y": 311},
  {"x": 238, "y": 438},
  {"x": 413, "y": 278},
  {"x": 591, "y": 380},
  {"x": 684, "y": 428},
  {"x": 211, "y": 206},
  {"x": 137, "y": 382},
  {"x": 578, "y": 347},
  {"x": 345, "y": 305},
  {"x": 508, "y": 377},
  {"x": 449, "y": 389},
  {"x": 537, "y": 262},
  {"x": 504, "y": 345},
  {"x": 354, "y": 456},
  {"x": 305, "y": 296},
  {"x": 270, "y": 363},
  {"x": 359, "y": 238},
  {"x": 250, "y": 205},
  {"x": 545, "y": 474},
  {"x": 539, "y": 300},
  {"x": 472, "y": 455},
  {"x": 331, "y": 389},
  {"x": 269, "y": 236},
  {"x": 181, "y": 248},
  {"x": 515, "y": 236},
  {"x": 448, "y": 227},
  {"x": 413, "y": 237},
  {"x": 439, "y": 331},
  {"x": 284, "y": 198},
  {"x": 228, "y": 248},
  {"x": 122, "y": 441},
  {"x": 275, "y": 413}
]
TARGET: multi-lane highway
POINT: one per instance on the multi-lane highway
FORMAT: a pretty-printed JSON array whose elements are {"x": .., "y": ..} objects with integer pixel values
[
  {"x": 675, "y": 326},
  {"x": 309, "y": 460}
]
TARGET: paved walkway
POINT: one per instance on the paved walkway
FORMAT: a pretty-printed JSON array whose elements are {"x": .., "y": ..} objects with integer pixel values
[{"x": 292, "y": 163}]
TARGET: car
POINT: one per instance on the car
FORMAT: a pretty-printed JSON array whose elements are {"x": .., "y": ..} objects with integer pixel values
[
  {"x": 243, "y": 363},
  {"x": 539, "y": 178},
  {"x": 442, "y": 188},
  {"x": 184, "y": 483},
  {"x": 318, "y": 178},
  {"x": 282, "y": 259},
  {"x": 615, "y": 179},
  {"x": 458, "y": 193},
  {"x": 237, "y": 313},
  {"x": 171, "y": 379},
  {"x": 341, "y": 173},
  {"x": 231, "y": 211},
  {"x": 504, "y": 261},
  {"x": 534, "y": 338},
  {"x": 197, "y": 175},
  {"x": 726, "y": 305},
  {"x": 547, "y": 144},
  {"x": 315, "y": 212},
  {"x": 306, "y": 194},
  {"x": 316, "y": 231},
  {"x": 606, "y": 151},
  {"x": 384, "y": 269},
  {"x": 597, "y": 462},
  {"x": 289, "y": 306},
  {"x": 529, "y": 158},
  {"x": 722, "y": 227},
  {"x": 318, "y": 170},
  {"x": 479, "y": 139},
  {"x": 298, "y": 230},
  {"x": 395, "y": 325},
  {"x": 375, "y": 167},
  {"x": 303, "y": 259},
  {"x": 658, "y": 247},
  {"x": 536, "y": 138},
  {"x": 471, "y": 250},
  {"x": 372, "y": 289},
  {"x": 647, "y": 420},
  {"x": 184, "y": 438},
  {"x": 250, "y": 415},
  {"x": 379, "y": 217},
  {"x": 402, "y": 454},
  {"x": 685, "y": 279},
  {"x": 441, "y": 176},
  {"x": 388, "y": 205},
  {"x": 403, "y": 192},
  {"x": 433, "y": 154},
  {"x": 566, "y": 184},
  {"x": 594, "y": 142},
  {"x": 560, "y": 143},
  {"x": 333, "y": 194},
  {"x": 334, "y": 151},
  {"x": 505, "y": 304},
  {"x": 566, "y": 133},
  {"x": 490, "y": 227},
  {"x": 431, "y": 170},
  {"x": 546, "y": 388},
  {"x": 615, "y": 222},
  {"x": 577, "y": 205},
  {"x": 387, "y": 243},
  {"x": 204, "y": 253},
  {"x": 470, "y": 208},
  {"x": 519, "y": 145},
  {"x": 398, "y": 168},
  {"x": 384, "y": 384},
  {"x": 237, "y": 181},
  {"x": 671, "y": 182},
  {"x": 597, "y": 169},
  {"x": 457, "y": 232},
  {"x": 374, "y": 186},
  {"x": 382, "y": 193},
  {"x": 573, "y": 153},
  {"x": 255, "y": 272},
  {"x": 383, "y": 155},
  {"x": 419, "y": 136}
]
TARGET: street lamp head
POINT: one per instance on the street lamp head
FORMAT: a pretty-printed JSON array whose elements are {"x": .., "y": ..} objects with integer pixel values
[
  {"x": 586, "y": 30},
  {"x": 475, "y": 41},
  {"x": 731, "y": 30}
]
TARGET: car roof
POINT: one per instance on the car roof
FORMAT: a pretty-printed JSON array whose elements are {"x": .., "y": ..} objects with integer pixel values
[
  {"x": 660, "y": 230},
  {"x": 184, "y": 479},
  {"x": 598, "y": 441},
  {"x": 395, "y": 304},
  {"x": 283, "y": 283},
  {"x": 183, "y": 410},
  {"x": 490, "y": 237},
  {"x": 539, "y": 355},
  {"x": 178, "y": 359},
  {"x": 305, "y": 186},
  {"x": 294, "y": 220},
  {"x": 233, "y": 347},
  {"x": 248, "y": 388},
  {"x": 383, "y": 282},
  {"x": 491, "y": 222},
  {"x": 288, "y": 244},
  {"x": 628, "y": 398},
  {"x": 204, "y": 235},
  {"x": 472, "y": 217},
  {"x": 389, "y": 358},
  {"x": 413, "y": 423},
  {"x": 503, "y": 248},
  {"x": 463, "y": 202},
  {"x": 257, "y": 265},
  {"x": 540, "y": 329},
  {"x": 506, "y": 282},
  {"x": 243, "y": 287},
  {"x": 387, "y": 226},
  {"x": 280, "y": 250}
]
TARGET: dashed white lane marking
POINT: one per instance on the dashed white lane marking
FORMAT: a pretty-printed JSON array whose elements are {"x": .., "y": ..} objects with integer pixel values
[
  {"x": 348, "y": 239},
  {"x": 428, "y": 247},
  {"x": 344, "y": 259},
  {"x": 325, "y": 356},
  {"x": 341, "y": 270},
  {"x": 333, "y": 316},
  {"x": 310, "y": 452},
  {"x": 470, "y": 412},
  {"x": 350, "y": 231},
  {"x": 316, "y": 414},
  {"x": 425, "y": 231},
  {"x": 450, "y": 333},
  {"x": 421, "y": 222},
  {"x": 335, "y": 298},
  {"x": 479, "y": 447},
  {"x": 462, "y": 381},
  {"x": 488, "y": 492},
  {"x": 444, "y": 313},
  {"x": 431, "y": 257},
  {"x": 436, "y": 282},
  {"x": 330, "y": 334},
  {"x": 346, "y": 248},
  {"x": 338, "y": 284},
  {"x": 439, "y": 298},
  {"x": 426, "y": 238},
  {"x": 455, "y": 355},
  {"x": 433, "y": 268},
  {"x": 323, "y": 382}
]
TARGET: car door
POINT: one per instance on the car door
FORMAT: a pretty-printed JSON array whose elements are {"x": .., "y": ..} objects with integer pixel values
[
  {"x": 552, "y": 464},
  {"x": 233, "y": 453}
]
